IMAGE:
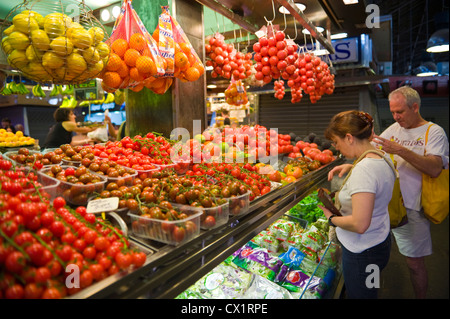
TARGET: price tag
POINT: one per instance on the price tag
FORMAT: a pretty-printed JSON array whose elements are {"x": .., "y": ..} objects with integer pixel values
[{"x": 102, "y": 205}]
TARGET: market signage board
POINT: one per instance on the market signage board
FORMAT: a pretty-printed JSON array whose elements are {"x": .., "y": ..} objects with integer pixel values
[{"x": 356, "y": 51}]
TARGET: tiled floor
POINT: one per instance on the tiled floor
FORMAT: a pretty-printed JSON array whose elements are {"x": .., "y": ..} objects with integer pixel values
[{"x": 395, "y": 282}]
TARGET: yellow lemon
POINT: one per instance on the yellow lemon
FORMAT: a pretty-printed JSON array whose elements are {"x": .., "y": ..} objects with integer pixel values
[
  {"x": 18, "y": 59},
  {"x": 33, "y": 54},
  {"x": 9, "y": 30},
  {"x": 81, "y": 38},
  {"x": 40, "y": 40},
  {"x": 95, "y": 69},
  {"x": 72, "y": 27},
  {"x": 36, "y": 70},
  {"x": 38, "y": 17},
  {"x": 103, "y": 50},
  {"x": 54, "y": 25},
  {"x": 52, "y": 60},
  {"x": 19, "y": 40},
  {"x": 75, "y": 63},
  {"x": 6, "y": 46},
  {"x": 97, "y": 34},
  {"x": 62, "y": 46},
  {"x": 65, "y": 74},
  {"x": 24, "y": 23},
  {"x": 91, "y": 55}
]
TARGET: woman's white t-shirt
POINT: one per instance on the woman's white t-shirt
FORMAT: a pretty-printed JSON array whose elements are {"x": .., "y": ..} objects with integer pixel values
[{"x": 370, "y": 175}]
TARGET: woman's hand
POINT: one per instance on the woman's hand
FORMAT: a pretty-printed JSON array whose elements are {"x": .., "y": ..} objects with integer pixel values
[
  {"x": 326, "y": 211},
  {"x": 341, "y": 170}
]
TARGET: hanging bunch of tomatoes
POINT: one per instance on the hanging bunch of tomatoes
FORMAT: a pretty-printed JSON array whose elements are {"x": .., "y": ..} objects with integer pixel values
[
  {"x": 314, "y": 77},
  {"x": 274, "y": 57},
  {"x": 226, "y": 61}
]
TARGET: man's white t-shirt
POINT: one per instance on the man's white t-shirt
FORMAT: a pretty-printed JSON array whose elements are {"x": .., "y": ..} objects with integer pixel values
[
  {"x": 414, "y": 140},
  {"x": 370, "y": 175}
]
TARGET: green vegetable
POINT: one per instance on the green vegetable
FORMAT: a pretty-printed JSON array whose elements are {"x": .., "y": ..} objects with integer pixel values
[{"x": 307, "y": 209}]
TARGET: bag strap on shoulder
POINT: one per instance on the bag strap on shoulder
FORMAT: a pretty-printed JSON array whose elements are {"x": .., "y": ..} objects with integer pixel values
[
  {"x": 426, "y": 139},
  {"x": 362, "y": 156}
]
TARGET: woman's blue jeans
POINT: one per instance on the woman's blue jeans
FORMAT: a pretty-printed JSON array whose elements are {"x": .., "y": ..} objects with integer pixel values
[{"x": 362, "y": 270}]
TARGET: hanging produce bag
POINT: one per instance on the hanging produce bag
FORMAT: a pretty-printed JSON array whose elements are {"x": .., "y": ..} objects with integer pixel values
[
  {"x": 47, "y": 45},
  {"x": 182, "y": 61},
  {"x": 236, "y": 94},
  {"x": 134, "y": 57}
]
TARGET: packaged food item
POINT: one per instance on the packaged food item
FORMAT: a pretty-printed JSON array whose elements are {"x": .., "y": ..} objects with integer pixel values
[
  {"x": 258, "y": 261},
  {"x": 236, "y": 94},
  {"x": 292, "y": 258},
  {"x": 296, "y": 282},
  {"x": 181, "y": 60},
  {"x": 223, "y": 282},
  {"x": 330, "y": 257},
  {"x": 313, "y": 239},
  {"x": 134, "y": 57},
  {"x": 262, "y": 288}
]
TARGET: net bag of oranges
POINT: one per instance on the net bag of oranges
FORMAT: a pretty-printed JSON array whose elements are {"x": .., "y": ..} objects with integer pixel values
[
  {"x": 236, "y": 94},
  {"x": 49, "y": 44},
  {"x": 182, "y": 61},
  {"x": 134, "y": 56}
]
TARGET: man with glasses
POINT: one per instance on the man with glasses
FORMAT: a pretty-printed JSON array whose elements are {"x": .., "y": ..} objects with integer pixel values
[{"x": 406, "y": 140}]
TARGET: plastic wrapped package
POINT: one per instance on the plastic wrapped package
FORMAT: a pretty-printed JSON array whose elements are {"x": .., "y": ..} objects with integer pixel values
[
  {"x": 282, "y": 228},
  {"x": 258, "y": 261},
  {"x": 181, "y": 60},
  {"x": 223, "y": 282},
  {"x": 262, "y": 288},
  {"x": 330, "y": 257},
  {"x": 294, "y": 240},
  {"x": 313, "y": 239},
  {"x": 296, "y": 281},
  {"x": 134, "y": 57}
]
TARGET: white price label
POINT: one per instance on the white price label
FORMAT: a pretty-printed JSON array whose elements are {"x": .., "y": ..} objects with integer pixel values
[{"x": 102, "y": 205}]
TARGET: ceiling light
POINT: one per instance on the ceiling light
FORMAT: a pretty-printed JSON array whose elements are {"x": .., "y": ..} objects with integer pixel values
[
  {"x": 116, "y": 11},
  {"x": 105, "y": 15},
  {"x": 211, "y": 86},
  {"x": 341, "y": 35},
  {"x": 424, "y": 70},
  {"x": 438, "y": 42},
  {"x": 347, "y": 2},
  {"x": 300, "y": 6},
  {"x": 319, "y": 29}
]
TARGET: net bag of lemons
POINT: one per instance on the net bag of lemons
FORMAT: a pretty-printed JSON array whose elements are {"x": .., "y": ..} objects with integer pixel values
[
  {"x": 182, "y": 61},
  {"x": 54, "y": 42},
  {"x": 134, "y": 54}
]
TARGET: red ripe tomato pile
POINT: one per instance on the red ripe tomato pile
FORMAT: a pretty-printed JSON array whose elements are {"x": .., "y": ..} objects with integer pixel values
[
  {"x": 226, "y": 61},
  {"x": 40, "y": 238}
]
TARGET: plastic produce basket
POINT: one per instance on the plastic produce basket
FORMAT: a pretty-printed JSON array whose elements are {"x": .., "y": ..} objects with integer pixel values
[
  {"x": 169, "y": 232},
  {"x": 239, "y": 204},
  {"x": 121, "y": 180},
  {"x": 11, "y": 154},
  {"x": 211, "y": 217},
  {"x": 76, "y": 194}
]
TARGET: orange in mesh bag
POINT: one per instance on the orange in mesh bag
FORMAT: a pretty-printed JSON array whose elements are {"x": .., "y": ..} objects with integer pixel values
[
  {"x": 181, "y": 59},
  {"x": 236, "y": 94},
  {"x": 134, "y": 57}
]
